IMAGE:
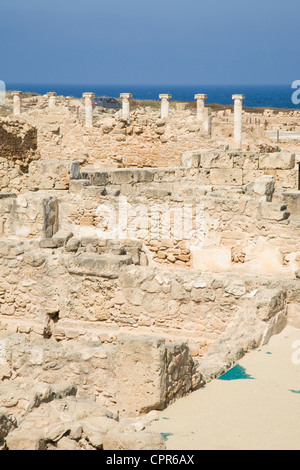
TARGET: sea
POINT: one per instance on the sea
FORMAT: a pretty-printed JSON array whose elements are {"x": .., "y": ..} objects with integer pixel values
[{"x": 273, "y": 96}]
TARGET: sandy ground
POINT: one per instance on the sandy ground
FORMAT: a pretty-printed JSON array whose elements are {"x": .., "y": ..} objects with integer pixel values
[{"x": 262, "y": 412}]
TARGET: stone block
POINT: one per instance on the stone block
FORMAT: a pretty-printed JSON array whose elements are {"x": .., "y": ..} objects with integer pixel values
[
  {"x": 122, "y": 176},
  {"x": 273, "y": 211},
  {"x": 245, "y": 160},
  {"x": 75, "y": 171},
  {"x": 62, "y": 236},
  {"x": 251, "y": 175},
  {"x": 277, "y": 161},
  {"x": 51, "y": 243},
  {"x": 96, "y": 178},
  {"x": 126, "y": 440},
  {"x": 106, "y": 265},
  {"x": 51, "y": 174},
  {"x": 141, "y": 374},
  {"x": 190, "y": 159},
  {"x": 20, "y": 440},
  {"x": 264, "y": 187},
  {"x": 178, "y": 292},
  {"x": 292, "y": 200},
  {"x": 211, "y": 259},
  {"x": 269, "y": 302},
  {"x": 224, "y": 177},
  {"x": 236, "y": 288},
  {"x": 72, "y": 244},
  {"x": 293, "y": 314},
  {"x": 144, "y": 176},
  {"x": 216, "y": 160}
]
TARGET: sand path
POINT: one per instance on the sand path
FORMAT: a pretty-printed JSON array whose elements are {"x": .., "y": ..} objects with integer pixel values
[{"x": 262, "y": 412}]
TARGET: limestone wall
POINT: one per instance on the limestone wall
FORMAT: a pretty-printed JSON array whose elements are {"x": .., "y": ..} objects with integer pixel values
[
  {"x": 240, "y": 168},
  {"x": 73, "y": 297},
  {"x": 27, "y": 216},
  {"x": 18, "y": 147},
  {"x": 112, "y": 374},
  {"x": 142, "y": 140},
  {"x": 181, "y": 223},
  {"x": 90, "y": 366}
]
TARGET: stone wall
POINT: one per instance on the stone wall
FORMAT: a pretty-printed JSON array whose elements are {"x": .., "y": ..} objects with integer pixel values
[
  {"x": 100, "y": 370},
  {"x": 49, "y": 293},
  {"x": 220, "y": 227},
  {"x": 51, "y": 175},
  {"x": 240, "y": 168},
  {"x": 137, "y": 284},
  {"x": 27, "y": 216},
  {"x": 18, "y": 147},
  {"x": 90, "y": 366},
  {"x": 143, "y": 140}
]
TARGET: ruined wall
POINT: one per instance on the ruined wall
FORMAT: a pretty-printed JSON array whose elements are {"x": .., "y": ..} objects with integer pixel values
[
  {"x": 18, "y": 147},
  {"x": 49, "y": 292},
  {"x": 220, "y": 225},
  {"x": 240, "y": 168},
  {"x": 28, "y": 215},
  {"x": 90, "y": 366},
  {"x": 143, "y": 140},
  {"x": 101, "y": 370}
]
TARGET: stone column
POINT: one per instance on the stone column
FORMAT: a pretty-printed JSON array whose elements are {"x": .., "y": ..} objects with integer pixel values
[
  {"x": 52, "y": 99},
  {"x": 200, "y": 106},
  {"x": 207, "y": 121},
  {"x": 17, "y": 103},
  {"x": 125, "y": 105},
  {"x": 165, "y": 105},
  {"x": 88, "y": 103},
  {"x": 238, "y": 108}
]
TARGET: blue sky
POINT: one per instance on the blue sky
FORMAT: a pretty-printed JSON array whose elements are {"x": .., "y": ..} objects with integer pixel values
[{"x": 149, "y": 42}]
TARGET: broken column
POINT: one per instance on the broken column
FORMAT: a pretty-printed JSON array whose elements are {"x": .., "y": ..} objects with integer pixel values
[
  {"x": 125, "y": 105},
  {"x": 200, "y": 106},
  {"x": 238, "y": 109},
  {"x": 88, "y": 103},
  {"x": 165, "y": 105},
  {"x": 52, "y": 99},
  {"x": 17, "y": 103},
  {"x": 207, "y": 121}
]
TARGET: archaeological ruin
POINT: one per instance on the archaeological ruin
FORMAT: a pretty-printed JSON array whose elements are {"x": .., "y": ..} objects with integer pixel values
[{"x": 143, "y": 252}]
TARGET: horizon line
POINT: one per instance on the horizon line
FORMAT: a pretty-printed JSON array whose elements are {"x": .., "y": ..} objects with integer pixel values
[{"x": 145, "y": 85}]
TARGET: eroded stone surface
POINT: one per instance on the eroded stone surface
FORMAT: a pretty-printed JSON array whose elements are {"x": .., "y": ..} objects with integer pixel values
[{"x": 203, "y": 266}]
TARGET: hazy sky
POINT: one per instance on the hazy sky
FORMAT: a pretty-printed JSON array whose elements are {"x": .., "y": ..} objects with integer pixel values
[{"x": 150, "y": 41}]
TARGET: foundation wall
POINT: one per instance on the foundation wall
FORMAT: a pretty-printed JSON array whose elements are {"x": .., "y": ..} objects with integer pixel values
[
  {"x": 50, "y": 293},
  {"x": 101, "y": 370},
  {"x": 211, "y": 232}
]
